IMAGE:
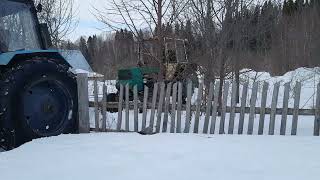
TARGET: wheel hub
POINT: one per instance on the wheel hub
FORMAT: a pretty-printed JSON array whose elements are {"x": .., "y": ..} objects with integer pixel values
[
  {"x": 48, "y": 108},
  {"x": 45, "y": 106}
]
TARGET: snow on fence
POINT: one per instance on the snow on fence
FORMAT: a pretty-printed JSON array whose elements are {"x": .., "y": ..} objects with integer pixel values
[{"x": 164, "y": 102}]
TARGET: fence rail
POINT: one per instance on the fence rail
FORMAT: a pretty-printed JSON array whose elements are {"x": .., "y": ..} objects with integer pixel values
[{"x": 167, "y": 99}]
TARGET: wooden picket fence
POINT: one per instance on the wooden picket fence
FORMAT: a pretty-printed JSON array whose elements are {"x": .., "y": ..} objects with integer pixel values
[{"x": 167, "y": 99}]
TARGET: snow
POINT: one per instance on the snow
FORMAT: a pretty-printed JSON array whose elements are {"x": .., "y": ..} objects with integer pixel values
[
  {"x": 121, "y": 156},
  {"x": 309, "y": 78},
  {"x": 124, "y": 156}
]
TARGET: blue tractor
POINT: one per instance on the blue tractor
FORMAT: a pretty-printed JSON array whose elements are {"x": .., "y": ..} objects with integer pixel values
[{"x": 38, "y": 91}]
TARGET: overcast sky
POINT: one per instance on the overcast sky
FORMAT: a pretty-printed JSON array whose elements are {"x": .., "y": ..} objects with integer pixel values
[{"x": 88, "y": 25}]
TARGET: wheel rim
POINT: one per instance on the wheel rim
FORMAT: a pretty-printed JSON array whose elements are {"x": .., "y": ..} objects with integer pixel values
[{"x": 46, "y": 107}]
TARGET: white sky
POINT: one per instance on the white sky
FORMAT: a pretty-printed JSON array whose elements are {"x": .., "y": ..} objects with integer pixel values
[{"x": 88, "y": 25}]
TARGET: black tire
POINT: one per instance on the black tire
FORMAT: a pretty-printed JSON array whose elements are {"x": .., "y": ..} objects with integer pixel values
[
  {"x": 112, "y": 97},
  {"x": 38, "y": 98}
]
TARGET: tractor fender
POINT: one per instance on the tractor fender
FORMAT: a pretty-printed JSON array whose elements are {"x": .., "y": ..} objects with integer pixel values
[{"x": 73, "y": 58}]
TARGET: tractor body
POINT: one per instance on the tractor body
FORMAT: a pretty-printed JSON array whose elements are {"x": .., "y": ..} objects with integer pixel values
[
  {"x": 137, "y": 76},
  {"x": 38, "y": 92},
  {"x": 142, "y": 77}
]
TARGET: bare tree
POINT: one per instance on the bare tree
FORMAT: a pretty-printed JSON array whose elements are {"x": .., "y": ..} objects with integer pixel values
[
  {"x": 60, "y": 16},
  {"x": 149, "y": 15},
  {"x": 140, "y": 14},
  {"x": 215, "y": 21}
]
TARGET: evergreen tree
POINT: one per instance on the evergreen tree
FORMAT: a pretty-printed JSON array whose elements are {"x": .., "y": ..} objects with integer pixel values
[
  {"x": 254, "y": 33},
  {"x": 291, "y": 7},
  {"x": 182, "y": 29},
  {"x": 92, "y": 47},
  {"x": 285, "y": 10},
  {"x": 84, "y": 49},
  {"x": 299, "y": 4},
  {"x": 140, "y": 35},
  {"x": 168, "y": 30},
  {"x": 188, "y": 32},
  {"x": 177, "y": 29}
]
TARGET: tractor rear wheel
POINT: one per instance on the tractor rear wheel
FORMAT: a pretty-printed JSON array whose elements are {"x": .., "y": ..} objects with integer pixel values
[
  {"x": 112, "y": 97},
  {"x": 38, "y": 98}
]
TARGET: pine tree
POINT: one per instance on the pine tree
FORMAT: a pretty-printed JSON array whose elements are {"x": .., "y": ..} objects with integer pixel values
[
  {"x": 291, "y": 7},
  {"x": 299, "y": 4},
  {"x": 177, "y": 29},
  {"x": 140, "y": 35},
  {"x": 285, "y": 10},
  {"x": 190, "y": 44},
  {"x": 92, "y": 47},
  {"x": 182, "y": 29},
  {"x": 168, "y": 30},
  {"x": 253, "y": 36},
  {"x": 315, "y": 3},
  {"x": 84, "y": 49},
  {"x": 188, "y": 32}
]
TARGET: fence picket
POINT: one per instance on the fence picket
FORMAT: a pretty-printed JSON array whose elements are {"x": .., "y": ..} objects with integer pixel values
[
  {"x": 263, "y": 107},
  {"x": 214, "y": 108},
  {"x": 243, "y": 107},
  {"x": 166, "y": 108},
  {"x": 253, "y": 101},
  {"x": 297, "y": 91},
  {"x": 104, "y": 107},
  {"x": 273, "y": 108},
  {"x": 317, "y": 114},
  {"x": 233, "y": 107},
  {"x": 208, "y": 109},
  {"x": 188, "y": 108},
  {"x": 198, "y": 106},
  {"x": 144, "y": 108},
  {"x": 283, "y": 124},
  {"x": 83, "y": 101},
  {"x": 224, "y": 107},
  {"x": 96, "y": 104},
  {"x": 153, "y": 106},
  {"x": 179, "y": 107},
  {"x": 135, "y": 108},
  {"x": 127, "y": 108},
  {"x": 173, "y": 110},
  {"x": 161, "y": 99},
  {"x": 119, "y": 122}
]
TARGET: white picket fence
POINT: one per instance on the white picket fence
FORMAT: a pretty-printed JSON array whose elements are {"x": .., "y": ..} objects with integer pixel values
[{"x": 167, "y": 100}]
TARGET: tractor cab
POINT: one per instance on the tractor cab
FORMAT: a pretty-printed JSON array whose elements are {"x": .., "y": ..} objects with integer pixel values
[
  {"x": 176, "y": 67},
  {"x": 19, "y": 27}
]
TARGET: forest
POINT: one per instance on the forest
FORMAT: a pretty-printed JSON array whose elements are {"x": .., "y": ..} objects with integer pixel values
[{"x": 219, "y": 37}]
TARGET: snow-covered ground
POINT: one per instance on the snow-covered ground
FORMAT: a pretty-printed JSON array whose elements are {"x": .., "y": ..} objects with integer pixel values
[
  {"x": 124, "y": 156},
  {"x": 163, "y": 157}
]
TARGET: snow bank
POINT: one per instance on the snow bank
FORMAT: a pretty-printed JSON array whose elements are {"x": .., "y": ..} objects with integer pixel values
[
  {"x": 163, "y": 157},
  {"x": 309, "y": 78}
]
